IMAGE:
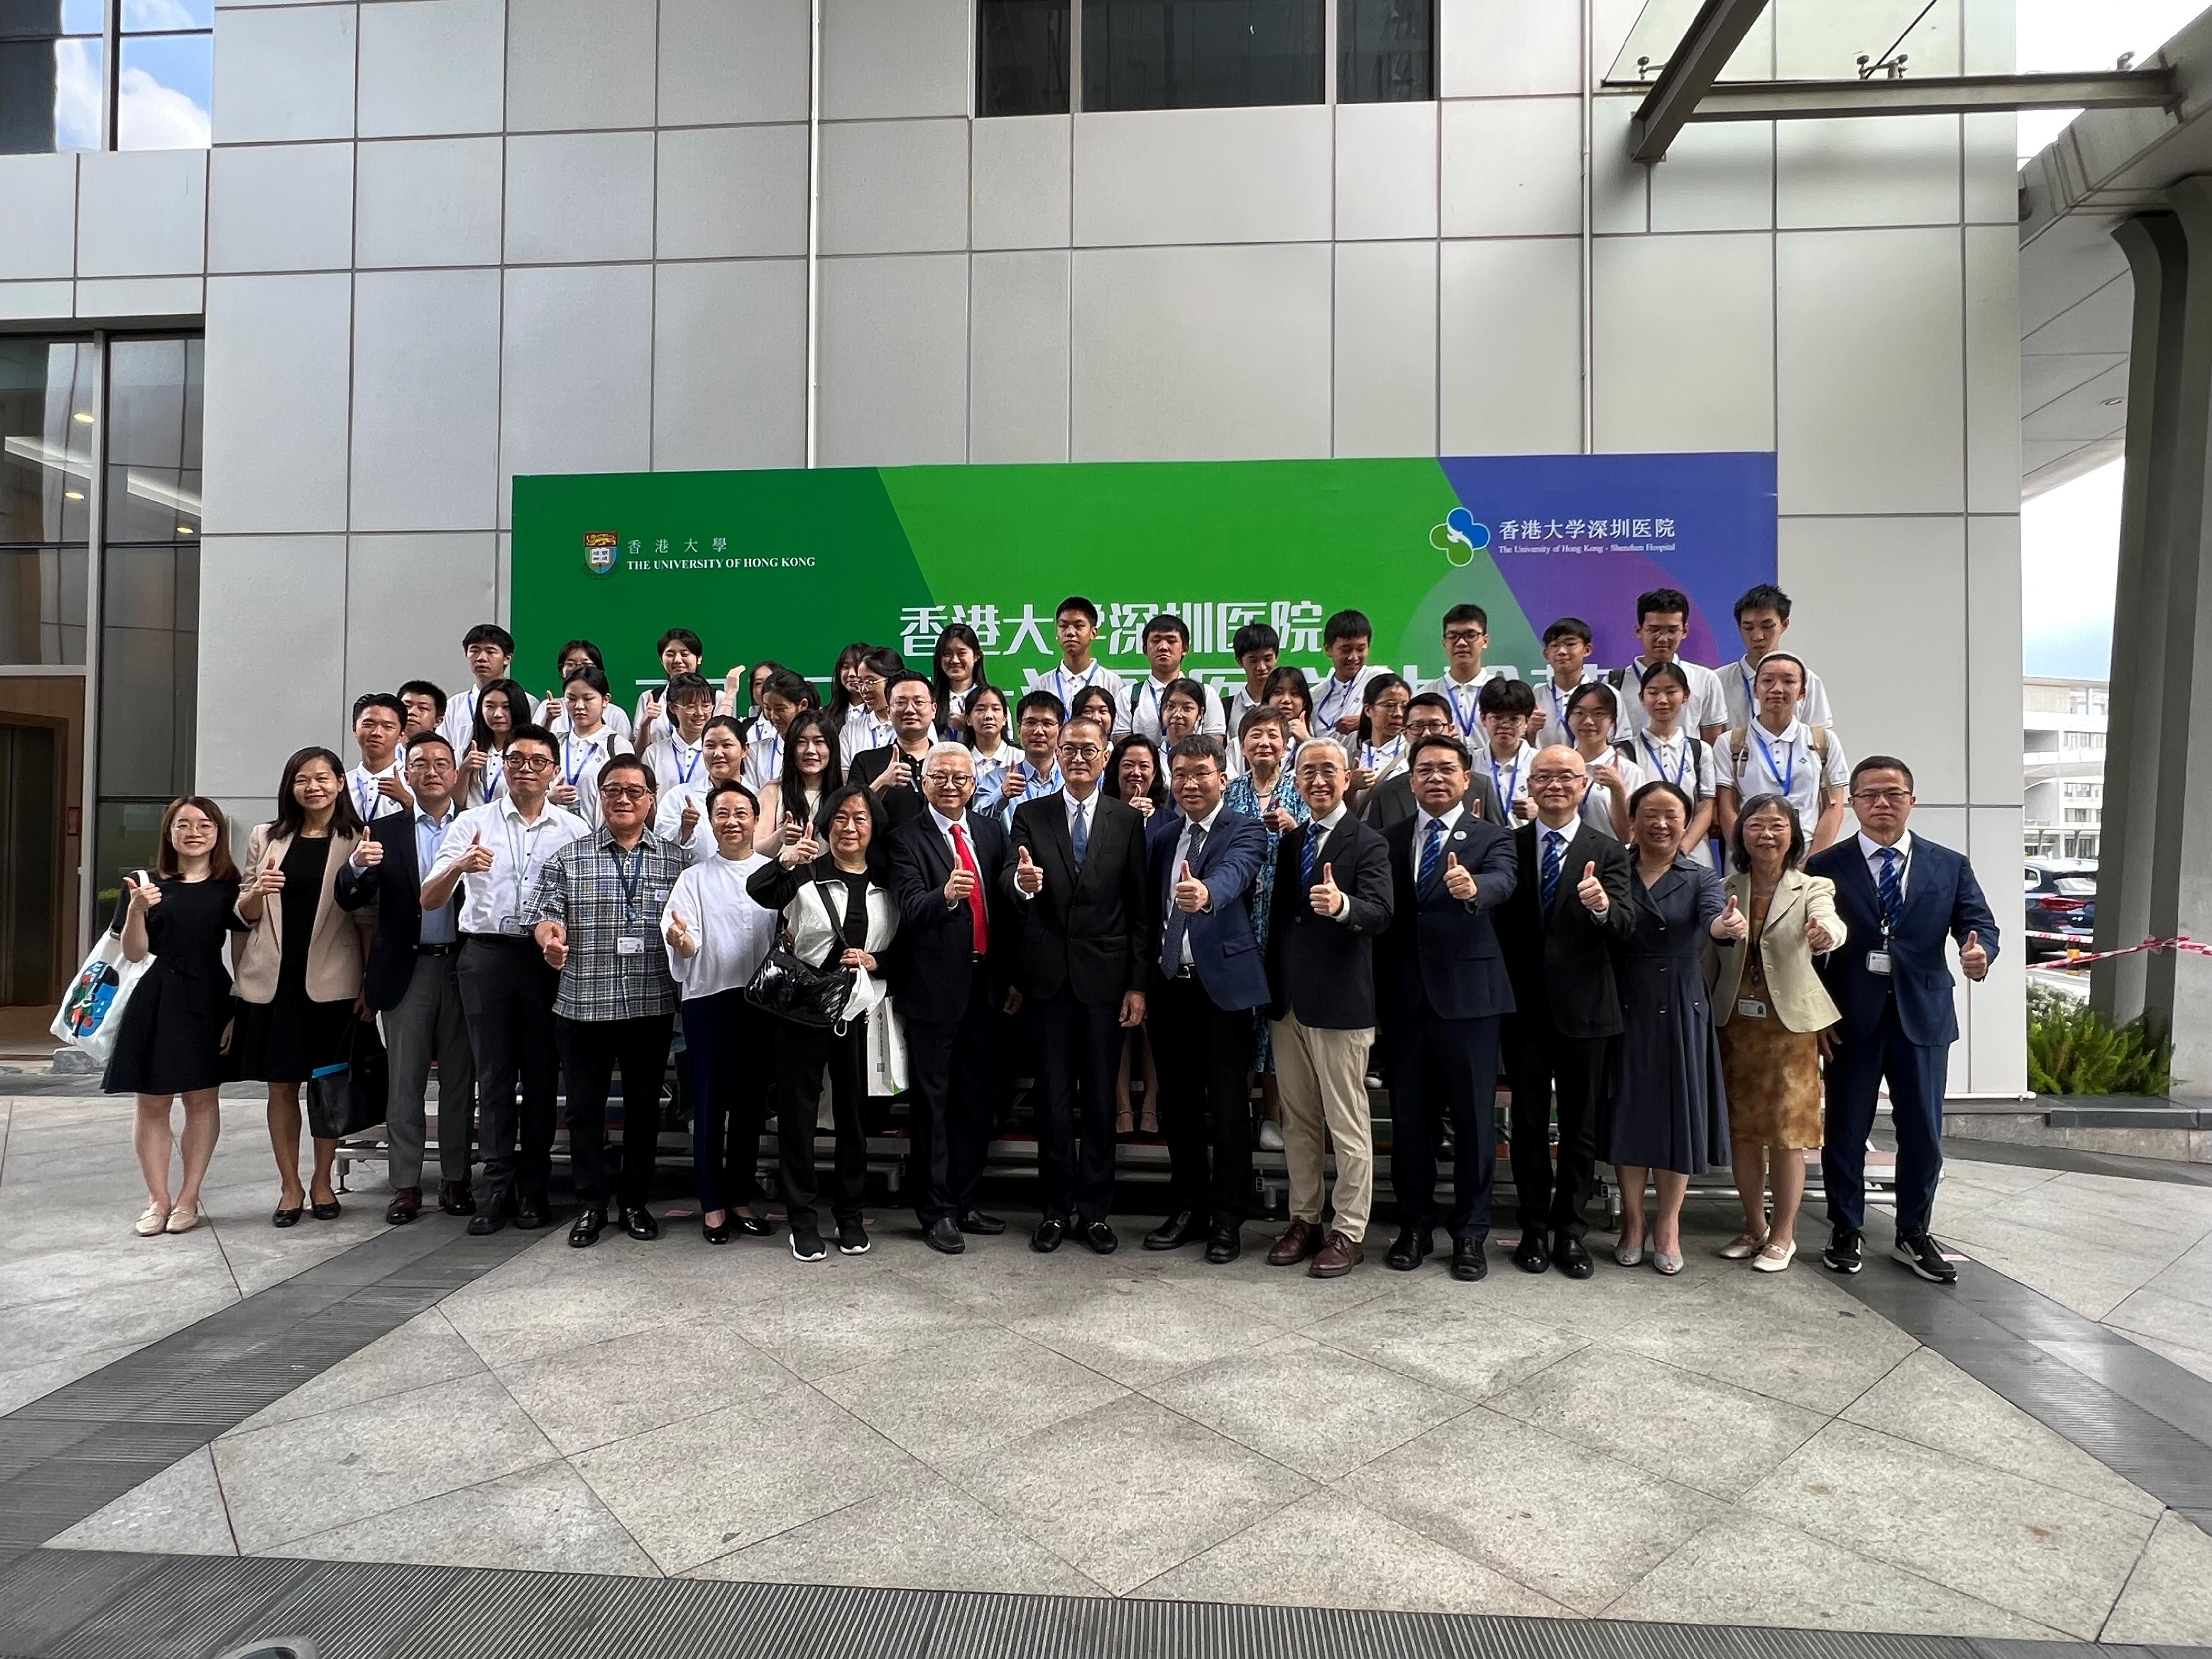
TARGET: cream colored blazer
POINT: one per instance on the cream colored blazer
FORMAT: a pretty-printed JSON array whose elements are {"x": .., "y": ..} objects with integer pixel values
[
  {"x": 1800, "y": 1001},
  {"x": 334, "y": 954}
]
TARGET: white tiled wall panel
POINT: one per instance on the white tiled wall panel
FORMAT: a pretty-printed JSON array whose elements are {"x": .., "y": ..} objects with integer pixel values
[
  {"x": 40, "y": 196},
  {"x": 426, "y": 400},
  {"x": 1386, "y": 348},
  {"x": 278, "y": 391},
  {"x": 1993, "y": 631},
  {"x": 284, "y": 73},
  {"x": 1716, "y": 176},
  {"x": 576, "y": 372},
  {"x": 1508, "y": 358},
  {"x": 894, "y": 186},
  {"x": 1513, "y": 167},
  {"x": 123, "y": 299},
  {"x": 1824, "y": 167},
  {"x": 254, "y": 589},
  {"x": 1993, "y": 368},
  {"x": 574, "y": 63},
  {"x": 1202, "y": 175},
  {"x": 432, "y": 67},
  {"x": 429, "y": 201},
  {"x": 1685, "y": 343},
  {"x": 142, "y": 213},
  {"x": 1386, "y": 171},
  {"x": 1490, "y": 48},
  {"x": 31, "y": 301},
  {"x": 1017, "y": 388},
  {"x": 280, "y": 207},
  {"x": 1020, "y": 182},
  {"x": 729, "y": 374},
  {"x": 894, "y": 361},
  {"x": 727, "y": 192},
  {"x": 579, "y": 197},
  {"x": 733, "y": 60},
  {"x": 386, "y": 643},
  {"x": 883, "y": 58}
]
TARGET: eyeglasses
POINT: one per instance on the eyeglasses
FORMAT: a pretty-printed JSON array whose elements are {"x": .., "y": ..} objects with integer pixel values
[
  {"x": 529, "y": 762},
  {"x": 1463, "y": 636},
  {"x": 1536, "y": 778},
  {"x": 1884, "y": 797},
  {"x": 1081, "y": 750},
  {"x": 430, "y": 762},
  {"x": 946, "y": 777},
  {"x": 625, "y": 792}
]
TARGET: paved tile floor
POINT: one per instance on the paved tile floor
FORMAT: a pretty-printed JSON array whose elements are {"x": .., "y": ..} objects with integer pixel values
[{"x": 1727, "y": 1447}]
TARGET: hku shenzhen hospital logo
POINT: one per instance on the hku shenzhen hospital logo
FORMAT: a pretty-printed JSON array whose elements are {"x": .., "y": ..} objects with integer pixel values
[
  {"x": 600, "y": 547},
  {"x": 1459, "y": 537}
]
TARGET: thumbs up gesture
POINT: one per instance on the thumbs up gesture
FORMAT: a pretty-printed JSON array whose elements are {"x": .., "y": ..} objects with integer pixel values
[
  {"x": 1325, "y": 895},
  {"x": 553, "y": 942},
  {"x": 1591, "y": 891},
  {"x": 1731, "y": 924},
  {"x": 1818, "y": 936},
  {"x": 1027, "y": 876},
  {"x": 270, "y": 878},
  {"x": 368, "y": 853},
  {"x": 681, "y": 939},
  {"x": 478, "y": 859},
  {"x": 1190, "y": 894},
  {"x": 1973, "y": 959},
  {"x": 958, "y": 886},
  {"x": 1458, "y": 882}
]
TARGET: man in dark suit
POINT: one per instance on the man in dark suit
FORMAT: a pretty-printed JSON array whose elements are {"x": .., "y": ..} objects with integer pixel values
[
  {"x": 1332, "y": 897},
  {"x": 1569, "y": 903},
  {"x": 1077, "y": 880},
  {"x": 893, "y": 772},
  {"x": 1446, "y": 991},
  {"x": 410, "y": 980},
  {"x": 945, "y": 866},
  {"x": 1207, "y": 980},
  {"x": 1900, "y": 898},
  {"x": 1391, "y": 801}
]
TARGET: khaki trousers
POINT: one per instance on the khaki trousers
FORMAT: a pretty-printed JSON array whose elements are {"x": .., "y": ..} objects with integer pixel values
[{"x": 1322, "y": 1078}]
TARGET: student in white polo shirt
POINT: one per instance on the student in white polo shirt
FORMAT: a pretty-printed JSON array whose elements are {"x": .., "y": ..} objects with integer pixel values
[
  {"x": 1663, "y": 750},
  {"x": 781, "y": 699},
  {"x": 1076, "y": 624},
  {"x": 1762, "y": 616},
  {"x": 679, "y": 763},
  {"x": 1346, "y": 638},
  {"x": 1662, "y": 623},
  {"x": 1567, "y": 649},
  {"x": 1467, "y": 636},
  {"x": 1167, "y": 642},
  {"x": 587, "y": 746},
  {"x": 576, "y": 656},
  {"x": 376, "y": 785},
  {"x": 491, "y": 650},
  {"x": 1780, "y": 754}
]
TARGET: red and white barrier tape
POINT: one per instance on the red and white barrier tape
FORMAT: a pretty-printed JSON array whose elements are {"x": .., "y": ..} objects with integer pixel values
[{"x": 2081, "y": 958}]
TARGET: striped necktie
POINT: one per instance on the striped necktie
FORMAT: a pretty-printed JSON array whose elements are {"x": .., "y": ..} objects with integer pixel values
[
  {"x": 1886, "y": 894},
  {"x": 1555, "y": 846},
  {"x": 1309, "y": 853},
  {"x": 1431, "y": 846}
]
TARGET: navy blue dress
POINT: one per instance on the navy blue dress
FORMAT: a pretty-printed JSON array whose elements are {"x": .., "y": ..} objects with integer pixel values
[{"x": 1667, "y": 1108}]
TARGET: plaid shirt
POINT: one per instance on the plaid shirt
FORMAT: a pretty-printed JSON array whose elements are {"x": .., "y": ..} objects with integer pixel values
[{"x": 582, "y": 887}]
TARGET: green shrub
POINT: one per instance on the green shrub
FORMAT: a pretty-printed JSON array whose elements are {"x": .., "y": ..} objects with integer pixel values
[{"x": 2074, "y": 1050}]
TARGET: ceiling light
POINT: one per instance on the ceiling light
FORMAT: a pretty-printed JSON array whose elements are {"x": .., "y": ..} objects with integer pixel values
[
  {"x": 186, "y": 530},
  {"x": 84, "y": 417},
  {"x": 72, "y": 495},
  {"x": 2112, "y": 402}
]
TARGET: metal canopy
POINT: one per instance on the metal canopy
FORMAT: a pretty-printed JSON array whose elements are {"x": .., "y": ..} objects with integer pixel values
[
  {"x": 1946, "y": 94},
  {"x": 1710, "y": 40}
]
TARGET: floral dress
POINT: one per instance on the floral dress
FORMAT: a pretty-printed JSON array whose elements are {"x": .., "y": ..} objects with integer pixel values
[{"x": 1243, "y": 796}]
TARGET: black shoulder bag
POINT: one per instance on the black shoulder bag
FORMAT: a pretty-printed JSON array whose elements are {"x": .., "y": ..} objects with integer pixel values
[{"x": 793, "y": 989}]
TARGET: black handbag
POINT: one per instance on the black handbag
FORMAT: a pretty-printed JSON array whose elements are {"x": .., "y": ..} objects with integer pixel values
[
  {"x": 793, "y": 989},
  {"x": 346, "y": 1098}
]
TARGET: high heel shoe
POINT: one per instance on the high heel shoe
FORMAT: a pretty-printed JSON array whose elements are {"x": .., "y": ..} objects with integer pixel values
[
  {"x": 752, "y": 1226},
  {"x": 1668, "y": 1265},
  {"x": 1628, "y": 1257},
  {"x": 715, "y": 1232}
]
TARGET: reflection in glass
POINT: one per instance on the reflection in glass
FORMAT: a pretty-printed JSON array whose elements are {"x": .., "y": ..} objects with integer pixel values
[
  {"x": 42, "y": 604},
  {"x": 126, "y": 835},
  {"x": 52, "y": 68},
  {"x": 154, "y": 394},
  {"x": 45, "y": 439},
  {"x": 1201, "y": 54},
  {"x": 1021, "y": 59},
  {"x": 160, "y": 16},
  {"x": 164, "y": 88},
  {"x": 1386, "y": 52}
]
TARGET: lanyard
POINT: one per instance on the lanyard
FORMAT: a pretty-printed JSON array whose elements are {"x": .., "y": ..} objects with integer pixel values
[
  {"x": 1507, "y": 790},
  {"x": 364, "y": 791},
  {"x": 518, "y": 842},
  {"x": 1466, "y": 721},
  {"x": 1372, "y": 758},
  {"x": 1333, "y": 698},
  {"x": 1788, "y": 780},
  {"x": 1750, "y": 697},
  {"x": 685, "y": 770},
  {"x": 1160, "y": 717},
  {"x": 1659, "y": 764},
  {"x": 1060, "y": 679},
  {"x": 567, "y": 748},
  {"x": 1558, "y": 702},
  {"x": 630, "y": 876}
]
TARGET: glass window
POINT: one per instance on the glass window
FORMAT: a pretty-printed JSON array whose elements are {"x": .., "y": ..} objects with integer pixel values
[
  {"x": 1194, "y": 54},
  {"x": 165, "y": 75},
  {"x": 53, "y": 75},
  {"x": 1021, "y": 59},
  {"x": 42, "y": 604},
  {"x": 46, "y": 396},
  {"x": 1386, "y": 50},
  {"x": 154, "y": 390}
]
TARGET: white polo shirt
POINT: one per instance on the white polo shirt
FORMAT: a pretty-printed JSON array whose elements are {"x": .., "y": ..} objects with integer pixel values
[
  {"x": 1140, "y": 711},
  {"x": 1739, "y": 686},
  {"x": 1706, "y": 705},
  {"x": 367, "y": 799},
  {"x": 1551, "y": 708},
  {"x": 1333, "y": 698},
  {"x": 1063, "y": 682},
  {"x": 1463, "y": 694},
  {"x": 1783, "y": 765}
]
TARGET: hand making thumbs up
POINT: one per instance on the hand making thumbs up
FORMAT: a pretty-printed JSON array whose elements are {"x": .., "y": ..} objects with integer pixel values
[
  {"x": 1458, "y": 882},
  {"x": 1027, "y": 876},
  {"x": 1731, "y": 924},
  {"x": 1190, "y": 894},
  {"x": 1591, "y": 891},
  {"x": 681, "y": 939},
  {"x": 1973, "y": 959},
  {"x": 1325, "y": 895}
]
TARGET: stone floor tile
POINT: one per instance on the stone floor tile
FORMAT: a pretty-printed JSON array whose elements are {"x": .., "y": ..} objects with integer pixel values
[
  {"x": 1973, "y": 1174},
  {"x": 68, "y": 1270},
  {"x": 545, "y": 1518},
  {"x": 2199, "y": 1360},
  {"x": 1318, "y": 1409},
  {"x": 179, "y": 1512},
  {"x": 1573, "y": 1524},
  {"x": 603, "y": 1391},
  {"x": 313, "y": 1473},
  {"x": 424, "y": 1350},
  {"x": 1612, "y": 1298},
  {"x": 1930, "y": 1401},
  {"x": 993, "y": 1269},
  {"x": 2168, "y": 1599},
  {"x": 922, "y": 1533},
  {"x": 2047, "y": 1555},
  {"x": 1682, "y": 1427},
  {"x": 2189, "y": 1279},
  {"x": 962, "y": 1393},
  {"x": 2091, "y": 1267},
  {"x": 835, "y": 1319},
  {"x": 1284, "y": 1295},
  {"x": 531, "y": 1307},
  {"x": 1747, "y": 1569},
  {"x": 21, "y": 1385},
  {"x": 1456, "y": 1345},
  {"x": 126, "y": 1313},
  {"x": 1136, "y": 1331},
  {"x": 1328, "y": 1550},
  {"x": 2152, "y": 1312},
  {"x": 707, "y": 1485},
  {"x": 1129, "y": 1490}
]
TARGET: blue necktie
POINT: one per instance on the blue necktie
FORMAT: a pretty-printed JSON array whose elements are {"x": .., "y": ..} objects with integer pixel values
[
  {"x": 1885, "y": 890},
  {"x": 1430, "y": 846},
  {"x": 1310, "y": 852},
  {"x": 1554, "y": 851},
  {"x": 1080, "y": 834},
  {"x": 1171, "y": 940}
]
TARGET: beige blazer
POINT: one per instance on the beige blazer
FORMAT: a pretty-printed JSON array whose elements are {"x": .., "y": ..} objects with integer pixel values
[
  {"x": 1800, "y": 1002},
  {"x": 334, "y": 954}
]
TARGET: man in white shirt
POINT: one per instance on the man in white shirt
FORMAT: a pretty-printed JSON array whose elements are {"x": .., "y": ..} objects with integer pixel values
[
  {"x": 1778, "y": 754},
  {"x": 1076, "y": 623},
  {"x": 490, "y": 652},
  {"x": 376, "y": 785},
  {"x": 1762, "y": 616},
  {"x": 1346, "y": 637},
  {"x": 493, "y": 854},
  {"x": 1167, "y": 642},
  {"x": 1662, "y": 623},
  {"x": 1467, "y": 634},
  {"x": 1567, "y": 649}
]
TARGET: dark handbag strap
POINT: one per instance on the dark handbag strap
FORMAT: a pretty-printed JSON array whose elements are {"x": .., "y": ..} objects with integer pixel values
[{"x": 821, "y": 890}]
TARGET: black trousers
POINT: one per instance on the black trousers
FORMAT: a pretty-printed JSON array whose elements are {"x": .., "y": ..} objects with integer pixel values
[
  {"x": 1076, "y": 1043},
  {"x": 1538, "y": 1061},
  {"x": 1443, "y": 1067},
  {"x": 507, "y": 991},
  {"x": 805, "y": 1058},
  {"x": 591, "y": 1051},
  {"x": 949, "y": 1077},
  {"x": 731, "y": 1046},
  {"x": 1203, "y": 1054}
]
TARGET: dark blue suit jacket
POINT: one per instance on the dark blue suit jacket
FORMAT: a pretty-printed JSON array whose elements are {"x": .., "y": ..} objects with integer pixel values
[
  {"x": 939, "y": 938},
  {"x": 1224, "y": 948},
  {"x": 1439, "y": 949},
  {"x": 1943, "y": 901}
]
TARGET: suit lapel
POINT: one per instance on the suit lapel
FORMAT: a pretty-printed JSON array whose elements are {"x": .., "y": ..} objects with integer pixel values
[
  {"x": 1788, "y": 894},
  {"x": 1057, "y": 847}
]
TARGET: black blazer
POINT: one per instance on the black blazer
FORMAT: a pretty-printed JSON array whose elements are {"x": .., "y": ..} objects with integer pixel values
[
  {"x": 940, "y": 966},
  {"x": 900, "y": 806},
  {"x": 1322, "y": 968},
  {"x": 1561, "y": 965},
  {"x": 1392, "y": 801},
  {"x": 1439, "y": 949},
  {"x": 1094, "y": 934},
  {"x": 395, "y": 887}
]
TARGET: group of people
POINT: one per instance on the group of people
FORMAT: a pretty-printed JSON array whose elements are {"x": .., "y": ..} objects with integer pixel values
[{"x": 1630, "y": 893}]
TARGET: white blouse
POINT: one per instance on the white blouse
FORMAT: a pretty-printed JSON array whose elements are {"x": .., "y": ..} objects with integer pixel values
[{"x": 733, "y": 933}]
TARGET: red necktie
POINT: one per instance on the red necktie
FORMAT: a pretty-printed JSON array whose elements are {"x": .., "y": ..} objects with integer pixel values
[{"x": 976, "y": 900}]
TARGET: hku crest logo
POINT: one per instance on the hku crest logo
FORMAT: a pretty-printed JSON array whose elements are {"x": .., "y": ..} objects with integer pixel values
[
  {"x": 600, "y": 547},
  {"x": 1459, "y": 537}
]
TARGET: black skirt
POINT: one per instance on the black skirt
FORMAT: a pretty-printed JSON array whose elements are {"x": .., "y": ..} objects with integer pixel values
[{"x": 171, "y": 1039}]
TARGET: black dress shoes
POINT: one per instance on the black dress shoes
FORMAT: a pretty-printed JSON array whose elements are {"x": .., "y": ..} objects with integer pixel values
[
  {"x": 1049, "y": 1232},
  {"x": 942, "y": 1237},
  {"x": 752, "y": 1226},
  {"x": 531, "y": 1211},
  {"x": 1468, "y": 1261},
  {"x": 487, "y": 1221},
  {"x": 1183, "y": 1227},
  {"x": 406, "y": 1203},
  {"x": 282, "y": 1218},
  {"x": 454, "y": 1198},
  {"x": 715, "y": 1232},
  {"x": 1101, "y": 1239},
  {"x": 984, "y": 1226},
  {"x": 1529, "y": 1255},
  {"x": 1409, "y": 1249},
  {"x": 590, "y": 1221},
  {"x": 1568, "y": 1256},
  {"x": 640, "y": 1224},
  {"x": 329, "y": 1211},
  {"x": 1225, "y": 1244}
]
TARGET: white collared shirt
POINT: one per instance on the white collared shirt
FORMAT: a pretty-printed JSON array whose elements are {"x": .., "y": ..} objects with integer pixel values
[
  {"x": 668, "y": 818},
  {"x": 1183, "y": 855},
  {"x": 1063, "y": 682},
  {"x": 612, "y": 718},
  {"x": 1706, "y": 705},
  {"x": 678, "y": 765},
  {"x": 1552, "y": 704},
  {"x": 1739, "y": 686},
  {"x": 1785, "y": 765},
  {"x": 863, "y": 731},
  {"x": 733, "y": 932},
  {"x": 367, "y": 801},
  {"x": 1463, "y": 694},
  {"x": 1333, "y": 698},
  {"x": 1144, "y": 717},
  {"x": 1596, "y": 810},
  {"x": 1871, "y": 850},
  {"x": 577, "y": 762},
  {"x": 492, "y": 900},
  {"x": 1509, "y": 777},
  {"x": 763, "y": 756}
]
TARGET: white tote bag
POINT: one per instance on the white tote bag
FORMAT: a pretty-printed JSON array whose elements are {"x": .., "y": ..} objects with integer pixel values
[
  {"x": 886, "y": 1045},
  {"x": 91, "y": 1014}
]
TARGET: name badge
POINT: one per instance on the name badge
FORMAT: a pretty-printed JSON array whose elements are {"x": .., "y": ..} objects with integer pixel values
[
  {"x": 1877, "y": 963},
  {"x": 510, "y": 923},
  {"x": 629, "y": 944},
  {"x": 1751, "y": 1008}
]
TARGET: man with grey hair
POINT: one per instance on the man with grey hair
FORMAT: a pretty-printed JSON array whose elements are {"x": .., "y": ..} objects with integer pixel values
[{"x": 945, "y": 869}]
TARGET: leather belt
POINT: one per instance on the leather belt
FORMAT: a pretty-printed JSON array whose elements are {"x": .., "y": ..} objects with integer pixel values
[{"x": 439, "y": 949}]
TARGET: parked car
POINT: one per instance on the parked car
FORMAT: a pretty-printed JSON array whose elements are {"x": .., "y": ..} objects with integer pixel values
[{"x": 2062, "y": 905}]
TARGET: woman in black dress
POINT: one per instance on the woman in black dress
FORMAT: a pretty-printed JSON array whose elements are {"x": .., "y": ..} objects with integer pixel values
[
  {"x": 299, "y": 968},
  {"x": 170, "y": 1042},
  {"x": 1667, "y": 1117}
]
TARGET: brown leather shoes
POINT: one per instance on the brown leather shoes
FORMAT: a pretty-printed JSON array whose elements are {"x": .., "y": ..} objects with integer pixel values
[
  {"x": 1338, "y": 1257},
  {"x": 406, "y": 1203},
  {"x": 1300, "y": 1240}
]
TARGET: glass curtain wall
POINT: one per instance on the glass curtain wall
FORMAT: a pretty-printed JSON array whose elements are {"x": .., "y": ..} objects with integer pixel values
[{"x": 47, "y": 392}]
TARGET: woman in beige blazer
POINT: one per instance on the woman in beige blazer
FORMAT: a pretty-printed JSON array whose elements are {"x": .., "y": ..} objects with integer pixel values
[
  {"x": 298, "y": 964},
  {"x": 1771, "y": 1009}
]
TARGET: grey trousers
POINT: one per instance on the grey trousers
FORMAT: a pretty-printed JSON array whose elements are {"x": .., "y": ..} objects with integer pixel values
[{"x": 428, "y": 1024}]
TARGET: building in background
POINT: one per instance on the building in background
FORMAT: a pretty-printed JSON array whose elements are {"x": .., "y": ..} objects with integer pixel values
[{"x": 2062, "y": 779}]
